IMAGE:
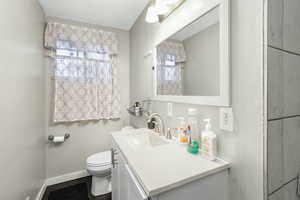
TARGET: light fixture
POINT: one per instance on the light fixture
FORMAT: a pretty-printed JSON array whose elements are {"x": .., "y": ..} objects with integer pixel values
[
  {"x": 171, "y": 2},
  {"x": 161, "y": 8},
  {"x": 152, "y": 16}
]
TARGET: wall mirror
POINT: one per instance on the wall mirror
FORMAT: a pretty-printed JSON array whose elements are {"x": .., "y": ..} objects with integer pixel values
[{"x": 192, "y": 65}]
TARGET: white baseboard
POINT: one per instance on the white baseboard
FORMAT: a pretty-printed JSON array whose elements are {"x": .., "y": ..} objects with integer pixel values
[
  {"x": 60, "y": 179},
  {"x": 66, "y": 177}
]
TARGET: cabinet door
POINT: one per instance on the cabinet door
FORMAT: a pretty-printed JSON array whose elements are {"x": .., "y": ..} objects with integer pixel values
[
  {"x": 135, "y": 191},
  {"x": 123, "y": 179},
  {"x": 115, "y": 182},
  {"x": 116, "y": 185},
  {"x": 124, "y": 184}
]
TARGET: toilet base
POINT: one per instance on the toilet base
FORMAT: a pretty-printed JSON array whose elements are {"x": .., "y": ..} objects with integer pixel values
[{"x": 100, "y": 185}]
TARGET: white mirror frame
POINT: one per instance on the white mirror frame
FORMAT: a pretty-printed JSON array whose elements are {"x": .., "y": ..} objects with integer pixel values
[{"x": 224, "y": 98}]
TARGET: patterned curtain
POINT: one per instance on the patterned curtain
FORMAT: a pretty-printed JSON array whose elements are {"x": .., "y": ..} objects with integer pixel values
[
  {"x": 170, "y": 58},
  {"x": 85, "y": 73}
]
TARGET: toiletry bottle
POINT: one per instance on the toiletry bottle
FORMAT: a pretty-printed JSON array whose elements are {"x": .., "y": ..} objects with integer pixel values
[
  {"x": 182, "y": 134},
  {"x": 193, "y": 124},
  {"x": 193, "y": 145},
  {"x": 183, "y": 138},
  {"x": 209, "y": 141},
  {"x": 189, "y": 134}
]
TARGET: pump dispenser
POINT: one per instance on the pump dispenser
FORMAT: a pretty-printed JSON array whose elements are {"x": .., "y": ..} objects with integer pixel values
[{"x": 209, "y": 141}]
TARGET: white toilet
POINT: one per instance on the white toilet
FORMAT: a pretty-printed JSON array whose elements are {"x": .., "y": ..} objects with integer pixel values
[{"x": 99, "y": 166}]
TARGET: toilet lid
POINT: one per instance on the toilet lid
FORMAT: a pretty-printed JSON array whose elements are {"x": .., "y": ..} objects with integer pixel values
[{"x": 99, "y": 159}]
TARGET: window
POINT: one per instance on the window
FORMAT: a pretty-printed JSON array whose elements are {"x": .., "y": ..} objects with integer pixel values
[
  {"x": 170, "y": 74},
  {"x": 170, "y": 70},
  {"x": 85, "y": 71},
  {"x": 73, "y": 63},
  {"x": 170, "y": 58}
]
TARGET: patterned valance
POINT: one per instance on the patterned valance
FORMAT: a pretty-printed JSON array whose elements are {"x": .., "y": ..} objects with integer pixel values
[
  {"x": 80, "y": 38},
  {"x": 171, "y": 47}
]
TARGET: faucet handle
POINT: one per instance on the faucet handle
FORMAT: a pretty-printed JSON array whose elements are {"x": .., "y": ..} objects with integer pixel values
[
  {"x": 156, "y": 128},
  {"x": 151, "y": 124},
  {"x": 169, "y": 134}
]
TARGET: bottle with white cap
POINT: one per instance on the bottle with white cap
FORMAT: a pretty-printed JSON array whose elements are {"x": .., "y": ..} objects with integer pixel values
[
  {"x": 193, "y": 124},
  {"x": 209, "y": 141}
]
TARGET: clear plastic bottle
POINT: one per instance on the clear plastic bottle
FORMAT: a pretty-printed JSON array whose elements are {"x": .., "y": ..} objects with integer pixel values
[
  {"x": 192, "y": 122},
  {"x": 182, "y": 136}
]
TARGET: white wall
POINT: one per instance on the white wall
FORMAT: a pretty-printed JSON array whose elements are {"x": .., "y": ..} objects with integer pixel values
[
  {"x": 201, "y": 73},
  {"x": 92, "y": 137},
  {"x": 22, "y": 119},
  {"x": 243, "y": 147}
]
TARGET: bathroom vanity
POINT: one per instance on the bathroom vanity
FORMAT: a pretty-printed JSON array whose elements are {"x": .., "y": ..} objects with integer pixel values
[{"x": 147, "y": 166}]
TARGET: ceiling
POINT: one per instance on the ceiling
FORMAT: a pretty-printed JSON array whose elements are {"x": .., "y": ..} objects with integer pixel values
[{"x": 113, "y": 13}]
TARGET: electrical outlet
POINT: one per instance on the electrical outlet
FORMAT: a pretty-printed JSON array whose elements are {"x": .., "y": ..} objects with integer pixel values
[
  {"x": 226, "y": 119},
  {"x": 170, "y": 109}
]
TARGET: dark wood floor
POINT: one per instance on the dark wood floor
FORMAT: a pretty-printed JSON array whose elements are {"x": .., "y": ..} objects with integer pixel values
[{"x": 79, "y": 189}]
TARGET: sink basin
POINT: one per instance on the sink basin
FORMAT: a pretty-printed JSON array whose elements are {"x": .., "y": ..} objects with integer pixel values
[
  {"x": 146, "y": 140},
  {"x": 154, "y": 140}
]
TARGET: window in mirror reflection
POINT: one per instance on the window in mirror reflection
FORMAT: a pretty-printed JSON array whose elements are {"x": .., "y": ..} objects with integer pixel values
[
  {"x": 188, "y": 62},
  {"x": 171, "y": 56}
]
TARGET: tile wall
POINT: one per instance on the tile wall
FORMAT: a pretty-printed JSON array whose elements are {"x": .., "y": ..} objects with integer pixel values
[{"x": 283, "y": 99}]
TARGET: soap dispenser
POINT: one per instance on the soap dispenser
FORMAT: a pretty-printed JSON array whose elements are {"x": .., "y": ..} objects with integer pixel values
[{"x": 209, "y": 141}]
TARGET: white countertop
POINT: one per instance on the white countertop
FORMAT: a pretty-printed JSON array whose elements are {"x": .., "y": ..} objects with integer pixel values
[{"x": 162, "y": 165}]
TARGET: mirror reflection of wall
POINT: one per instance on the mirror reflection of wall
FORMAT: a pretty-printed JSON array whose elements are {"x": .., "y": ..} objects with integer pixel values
[{"x": 188, "y": 62}]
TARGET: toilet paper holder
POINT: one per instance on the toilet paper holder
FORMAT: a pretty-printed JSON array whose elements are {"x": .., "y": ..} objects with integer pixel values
[{"x": 51, "y": 137}]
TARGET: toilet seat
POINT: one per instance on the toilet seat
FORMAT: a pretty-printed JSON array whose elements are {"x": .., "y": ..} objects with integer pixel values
[{"x": 102, "y": 159}]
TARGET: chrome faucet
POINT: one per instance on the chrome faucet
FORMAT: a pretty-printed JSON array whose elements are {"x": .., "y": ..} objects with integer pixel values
[{"x": 157, "y": 118}]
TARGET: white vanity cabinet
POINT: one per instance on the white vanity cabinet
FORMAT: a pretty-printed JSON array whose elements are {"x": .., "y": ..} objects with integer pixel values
[{"x": 126, "y": 185}]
